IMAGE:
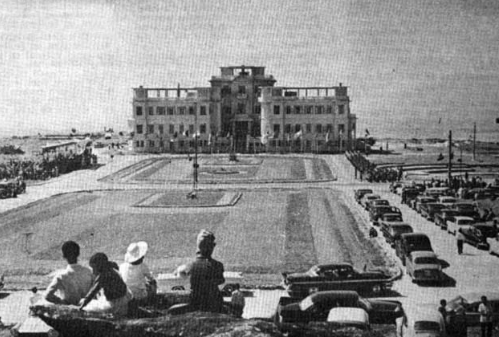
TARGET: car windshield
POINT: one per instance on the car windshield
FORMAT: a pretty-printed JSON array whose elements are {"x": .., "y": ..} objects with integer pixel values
[
  {"x": 381, "y": 202},
  {"x": 402, "y": 230},
  {"x": 466, "y": 222},
  {"x": 393, "y": 218},
  {"x": 426, "y": 260},
  {"x": 426, "y": 326},
  {"x": 306, "y": 304}
]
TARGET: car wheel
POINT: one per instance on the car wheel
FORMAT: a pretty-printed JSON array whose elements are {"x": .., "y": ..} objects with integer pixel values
[{"x": 178, "y": 288}]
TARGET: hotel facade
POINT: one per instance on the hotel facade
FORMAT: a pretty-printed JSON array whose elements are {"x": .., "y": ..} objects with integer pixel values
[{"x": 242, "y": 111}]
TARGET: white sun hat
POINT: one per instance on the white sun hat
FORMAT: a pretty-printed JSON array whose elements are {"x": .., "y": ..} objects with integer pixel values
[{"x": 136, "y": 251}]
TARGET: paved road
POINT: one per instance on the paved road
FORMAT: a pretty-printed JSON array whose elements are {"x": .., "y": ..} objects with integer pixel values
[{"x": 473, "y": 271}]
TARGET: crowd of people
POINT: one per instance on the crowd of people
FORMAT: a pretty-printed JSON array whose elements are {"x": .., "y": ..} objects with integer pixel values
[
  {"x": 107, "y": 287},
  {"x": 46, "y": 166},
  {"x": 369, "y": 171}
]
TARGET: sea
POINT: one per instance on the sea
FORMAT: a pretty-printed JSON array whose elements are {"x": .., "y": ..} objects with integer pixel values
[{"x": 413, "y": 68}]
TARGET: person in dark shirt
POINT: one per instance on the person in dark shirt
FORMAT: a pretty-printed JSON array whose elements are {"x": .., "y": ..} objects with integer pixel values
[
  {"x": 205, "y": 274},
  {"x": 109, "y": 293}
]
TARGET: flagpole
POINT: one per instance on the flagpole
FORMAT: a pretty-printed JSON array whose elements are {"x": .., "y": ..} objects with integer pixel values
[
  {"x": 474, "y": 140},
  {"x": 450, "y": 158},
  {"x": 195, "y": 165}
]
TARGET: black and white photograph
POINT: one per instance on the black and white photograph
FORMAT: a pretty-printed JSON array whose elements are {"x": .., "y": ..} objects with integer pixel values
[{"x": 272, "y": 168}]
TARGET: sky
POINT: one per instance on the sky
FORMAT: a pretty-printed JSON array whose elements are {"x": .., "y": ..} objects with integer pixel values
[{"x": 414, "y": 68}]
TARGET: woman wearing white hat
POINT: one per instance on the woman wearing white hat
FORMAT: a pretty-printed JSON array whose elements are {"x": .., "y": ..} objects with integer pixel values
[{"x": 135, "y": 272}]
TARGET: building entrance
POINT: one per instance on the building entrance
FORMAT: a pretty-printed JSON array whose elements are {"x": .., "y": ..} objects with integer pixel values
[{"x": 241, "y": 130}]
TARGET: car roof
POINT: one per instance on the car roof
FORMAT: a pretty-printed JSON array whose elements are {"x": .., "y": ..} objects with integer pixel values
[
  {"x": 344, "y": 264},
  {"x": 413, "y": 235},
  {"x": 348, "y": 314},
  {"x": 334, "y": 294},
  {"x": 420, "y": 253},
  {"x": 399, "y": 224},
  {"x": 462, "y": 217}
]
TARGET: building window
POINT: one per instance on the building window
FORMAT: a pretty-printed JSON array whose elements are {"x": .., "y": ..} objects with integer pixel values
[
  {"x": 287, "y": 128},
  {"x": 171, "y": 129},
  {"x": 288, "y": 110},
  {"x": 180, "y": 143},
  {"x": 242, "y": 89},
  {"x": 318, "y": 128},
  {"x": 137, "y": 143},
  {"x": 161, "y": 143},
  {"x": 240, "y": 108},
  {"x": 329, "y": 109},
  {"x": 191, "y": 129},
  {"x": 181, "y": 128},
  {"x": 202, "y": 112},
  {"x": 151, "y": 143},
  {"x": 202, "y": 129},
  {"x": 191, "y": 110},
  {"x": 150, "y": 128},
  {"x": 139, "y": 129},
  {"x": 225, "y": 91},
  {"x": 171, "y": 110},
  {"x": 181, "y": 110},
  {"x": 309, "y": 109},
  {"x": 309, "y": 128},
  {"x": 297, "y": 109},
  {"x": 329, "y": 127},
  {"x": 161, "y": 129},
  {"x": 160, "y": 110},
  {"x": 319, "y": 109},
  {"x": 277, "y": 109},
  {"x": 258, "y": 109},
  {"x": 138, "y": 110},
  {"x": 297, "y": 127},
  {"x": 277, "y": 129},
  {"x": 341, "y": 109},
  {"x": 150, "y": 110},
  {"x": 341, "y": 128},
  {"x": 141, "y": 143}
]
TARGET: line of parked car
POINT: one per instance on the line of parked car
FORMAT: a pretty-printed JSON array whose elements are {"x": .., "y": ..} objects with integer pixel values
[
  {"x": 452, "y": 214},
  {"x": 414, "y": 249}
]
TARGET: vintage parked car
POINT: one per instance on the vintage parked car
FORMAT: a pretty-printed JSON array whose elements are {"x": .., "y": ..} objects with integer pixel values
[
  {"x": 408, "y": 194},
  {"x": 429, "y": 323},
  {"x": 429, "y": 209},
  {"x": 411, "y": 242},
  {"x": 392, "y": 231},
  {"x": 436, "y": 192},
  {"x": 446, "y": 200},
  {"x": 489, "y": 229},
  {"x": 440, "y": 218},
  {"x": 358, "y": 194},
  {"x": 11, "y": 188},
  {"x": 423, "y": 266},
  {"x": 480, "y": 194},
  {"x": 455, "y": 222},
  {"x": 376, "y": 212},
  {"x": 316, "y": 307},
  {"x": 470, "y": 303},
  {"x": 368, "y": 197},
  {"x": 391, "y": 217},
  {"x": 421, "y": 199},
  {"x": 349, "y": 318},
  {"x": 339, "y": 276},
  {"x": 474, "y": 237},
  {"x": 466, "y": 209},
  {"x": 376, "y": 202}
]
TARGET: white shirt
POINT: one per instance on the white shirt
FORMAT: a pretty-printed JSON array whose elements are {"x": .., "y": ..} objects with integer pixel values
[
  {"x": 71, "y": 284},
  {"x": 135, "y": 277}
]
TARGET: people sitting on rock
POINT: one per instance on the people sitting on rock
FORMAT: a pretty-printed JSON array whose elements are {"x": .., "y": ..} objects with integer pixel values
[
  {"x": 205, "y": 275},
  {"x": 109, "y": 293},
  {"x": 136, "y": 273},
  {"x": 73, "y": 283}
]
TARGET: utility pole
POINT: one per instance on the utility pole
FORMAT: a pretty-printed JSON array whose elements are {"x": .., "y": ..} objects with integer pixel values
[
  {"x": 450, "y": 158},
  {"x": 195, "y": 165},
  {"x": 474, "y": 140}
]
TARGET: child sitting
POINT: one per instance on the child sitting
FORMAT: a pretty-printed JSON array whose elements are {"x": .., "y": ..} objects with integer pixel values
[{"x": 135, "y": 272}]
